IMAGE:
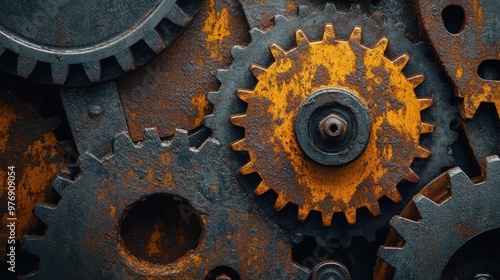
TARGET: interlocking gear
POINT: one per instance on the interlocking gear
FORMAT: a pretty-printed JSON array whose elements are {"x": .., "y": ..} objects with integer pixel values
[
  {"x": 309, "y": 88},
  {"x": 450, "y": 211},
  {"x": 85, "y": 228},
  {"x": 374, "y": 28},
  {"x": 57, "y": 44}
]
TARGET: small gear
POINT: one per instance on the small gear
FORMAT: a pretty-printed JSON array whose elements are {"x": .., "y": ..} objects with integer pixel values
[
  {"x": 375, "y": 27},
  {"x": 57, "y": 44},
  {"x": 86, "y": 228},
  {"x": 439, "y": 220},
  {"x": 307, "y": 125}
]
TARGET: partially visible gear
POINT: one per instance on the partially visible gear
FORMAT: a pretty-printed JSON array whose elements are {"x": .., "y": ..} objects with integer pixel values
[
  {"x": 375, "y": 27},
  {"x": 466, "y": 37},
  {"x": 89, "y": 229},
  {"x": 56, "y": 43},
  {"x": 332, "y": 125},
  {"x": 448, "y": 212}
]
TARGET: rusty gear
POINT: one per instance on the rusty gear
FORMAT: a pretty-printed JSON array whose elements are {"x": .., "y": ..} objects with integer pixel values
[
  {"x": 439, "y": 220},
  {"x": 466, "y": 37},
  {"x": 271, "y": 140},
  {"x": 55, "y": 43},
  {"x": 84, "y": 228},
  {"x": 374, "y": 28}
]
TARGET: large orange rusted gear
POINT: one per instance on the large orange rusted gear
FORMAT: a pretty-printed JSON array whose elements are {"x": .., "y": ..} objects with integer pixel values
[{"x": 393, "y": 141}]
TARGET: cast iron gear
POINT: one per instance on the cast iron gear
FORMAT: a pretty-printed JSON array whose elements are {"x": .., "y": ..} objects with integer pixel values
[
  {"x": 323, "y": 118},
  {"x": 374, "y": 28},
  {"x": 451, "y": 210},
  {"x": 56, "y": 43},
  {"x": 85, "y": 229}
]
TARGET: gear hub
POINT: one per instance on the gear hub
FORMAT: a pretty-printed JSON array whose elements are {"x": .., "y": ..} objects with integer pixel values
[{"x": 332, "y": 125}]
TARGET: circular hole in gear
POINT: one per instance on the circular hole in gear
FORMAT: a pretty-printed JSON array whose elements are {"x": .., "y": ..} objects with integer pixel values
[
  {"x": 453, "y": 18},
  {"x": 160, "y": 229},
  {"x": 489, "y": 70},
  {"x": 478, "y": 256},
  {"x": 223, "y": 273}
]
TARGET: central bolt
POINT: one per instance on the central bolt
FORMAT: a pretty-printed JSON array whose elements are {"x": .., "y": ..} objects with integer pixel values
[{"x": 333, "y": 127}]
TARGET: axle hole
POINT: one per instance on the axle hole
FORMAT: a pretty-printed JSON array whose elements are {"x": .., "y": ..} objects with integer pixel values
[
  {"x": 334, "y": 128},
  {"x": 160, "y": 229},
  {"x": 223, "y": 273},
  {"x": 489, "y": 70},
  {"x": 453, "y": 18}
]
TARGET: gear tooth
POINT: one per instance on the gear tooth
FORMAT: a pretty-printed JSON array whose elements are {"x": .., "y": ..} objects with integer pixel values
[
  {"x": 401, "y": 61},
  {"x": 304, "y": 10},
  {"x": 301, "y": 38},
  {"x": 302, "y": 213},
  {"x": 459, "y": 182},
  {"x": 213, "y": 97},
  {"x": 329, "y": 34},
  {"x": 34, "y": 245},
  {"x": 257, "y": 70},
  {"x": 238, "y": 120},
  {"x": 277, "y": 51},
  {"x": 427, "y": 128},
  {"x": 244, "y": 94},
  {"x": 240, "y": 145},
  {"x": 126, "y": 60},
  {"x": 122, "y": 142},
  {"x": 178, "y": 16},
  {"x": 210, "y": 145},
  {"x": 61, "y": 185},
  {"x": 425, "y": 103},
  {"x": 469, "y": 106},
  {"x": 279, "y": 19},
  {"x": 350, "y": 215},
  {"x": 355, "y": 9},
  {"x": 330, "y": 8},
  {"x": 237, "y": 52},
  {"x": 355, "y": 35},
  {"x": 256, "y": 34},
  {"x": 151, "y": 135},
  {"x": 394, "y": 195},
  {"x": 374, "y": 208},
  {"x": 423, "y": 152},
  {"x": 221, "y": 75},
  {"x": 411, "y": 176},
  {"x": 490, "y": 167},
  {"x": 381, "y": 45},
  {"x": 280, "y": 203},
  {"x": 93, "y": 70},
  {"x": 45, "y": 213},
  {"x": 327, "y": 217},
  {"x": 59, "y": 73},
  {"x": 416, "y": 80},
  {"x": 89, "y": 161},
  {"x": 25, "y": 66},
  {"x": 261, "y": 188},
  {"x": 247, "y": 168},
  {"x": 181, "y": 138},
  {"x": 406, "y": 228},
  {"x": 425, "y": 206},
  {"x": 391, "y": 255},
  {"x": 154, "y": 41}
]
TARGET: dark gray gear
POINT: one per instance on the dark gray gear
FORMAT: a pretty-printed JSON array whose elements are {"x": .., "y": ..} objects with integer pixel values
[
  {"x": 84, "y": 238},
  {"x": 76, "y": 43},
  {"x": 429, "y": 243},
  {"x": 374, "y": 28}
]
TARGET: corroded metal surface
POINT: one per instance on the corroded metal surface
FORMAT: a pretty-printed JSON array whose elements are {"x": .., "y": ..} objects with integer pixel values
[
  {"x": 234, "y": 233},
  {"x": 28, "y": 143},
  {"x": 465, "y": 34},
  {"x": 271, "y": 141},
  {"x": 374, "y": 28},
  {"x": 439, "y": 220},
  {"x": 73, "y": 43},
  {"x": 169, "y": 92}
]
